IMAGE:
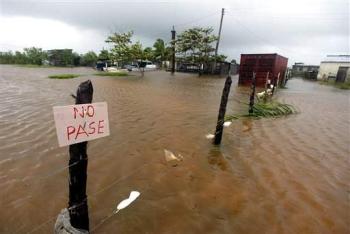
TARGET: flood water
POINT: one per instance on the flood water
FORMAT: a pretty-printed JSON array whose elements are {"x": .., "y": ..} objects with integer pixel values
[{"x": 285, "y": 175}]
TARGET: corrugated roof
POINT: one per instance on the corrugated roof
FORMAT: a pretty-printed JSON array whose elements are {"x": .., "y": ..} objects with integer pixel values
[{"x": 337, "y": 58}]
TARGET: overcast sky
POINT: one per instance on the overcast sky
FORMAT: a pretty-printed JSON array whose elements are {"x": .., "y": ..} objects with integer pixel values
[{"x": 302, "y": 30}]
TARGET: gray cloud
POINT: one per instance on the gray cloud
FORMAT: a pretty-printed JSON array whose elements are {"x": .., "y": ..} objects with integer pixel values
[{"x": 300, "y": 30}]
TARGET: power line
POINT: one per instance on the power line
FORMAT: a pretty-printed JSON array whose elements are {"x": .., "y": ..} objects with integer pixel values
[{"x": 196, "y": 20}]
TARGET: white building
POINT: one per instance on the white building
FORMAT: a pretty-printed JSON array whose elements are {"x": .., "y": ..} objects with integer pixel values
[{"x": 335, "y": 67}]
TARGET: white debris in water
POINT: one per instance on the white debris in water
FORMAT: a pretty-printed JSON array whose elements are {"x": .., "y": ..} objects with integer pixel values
[
  {"x": 170, "y": 156},
  {"x": 227, "y": 123},
  {"x": 126, "y": 202},
  {"x": 210, "y": 136}
]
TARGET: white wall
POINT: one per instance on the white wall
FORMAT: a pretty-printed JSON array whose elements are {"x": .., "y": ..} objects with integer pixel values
[{"x": 330, "y": 69}]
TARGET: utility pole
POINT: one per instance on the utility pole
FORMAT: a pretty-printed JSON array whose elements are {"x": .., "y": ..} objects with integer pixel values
[
  {"x": 219, "y": 35},
  {"x": 173, "y": 34}
]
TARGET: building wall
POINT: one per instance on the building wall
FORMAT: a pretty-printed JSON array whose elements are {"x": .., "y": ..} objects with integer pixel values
[
  {"x": 266, "y": 66},
  {"x": 329, "y": 70}
]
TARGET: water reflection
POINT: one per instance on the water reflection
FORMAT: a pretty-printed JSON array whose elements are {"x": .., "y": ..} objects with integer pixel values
[{"x": 216, "y": 159}]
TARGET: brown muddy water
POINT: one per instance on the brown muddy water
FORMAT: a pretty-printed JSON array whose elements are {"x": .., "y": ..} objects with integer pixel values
[{"x": 285, "y": 175}]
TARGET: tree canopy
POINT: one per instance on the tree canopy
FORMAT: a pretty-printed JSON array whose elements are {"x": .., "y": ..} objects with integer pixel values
[{"x": 196, "y": 45}]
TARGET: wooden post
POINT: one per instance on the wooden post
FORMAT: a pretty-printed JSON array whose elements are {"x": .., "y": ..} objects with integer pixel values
[
  {"x": 252, "y": 95},
  {"x": 267, "y": 83},
  {"x": 78, "y": 208},
  {"x": 275, "y": 83},
  {"x": 222, "y": 111}
]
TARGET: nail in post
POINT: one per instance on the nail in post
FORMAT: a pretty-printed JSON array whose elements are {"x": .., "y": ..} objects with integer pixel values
[
  {"x": 222, "y": 111},
  {"x": 78, "y": 208}
]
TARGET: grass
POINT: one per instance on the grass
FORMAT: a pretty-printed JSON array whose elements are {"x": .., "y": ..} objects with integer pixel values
[
  {"x": 345, "y": 85},
  {"x": 122, "y": 73},
  {"x": 63, "y": 76},
  {"x": 268, "y": 109}
]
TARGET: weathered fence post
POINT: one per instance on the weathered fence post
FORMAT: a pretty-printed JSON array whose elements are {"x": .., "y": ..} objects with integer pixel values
[
  {"x": 78, "y": 208},
  {"x": 267, "y": 82},
  {"x": 252, "y": 94},
  {"x": 275, "y": 83},
  {"x": 222, "y": 111}
]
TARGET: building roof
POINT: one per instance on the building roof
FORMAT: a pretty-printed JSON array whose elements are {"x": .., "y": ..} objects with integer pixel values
[
  {"x": 337, "y": 59},
  {"x": 262, "y": 54}
]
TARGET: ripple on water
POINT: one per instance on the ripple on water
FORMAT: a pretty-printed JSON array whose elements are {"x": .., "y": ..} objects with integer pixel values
[{"x": 286, "y": 175}]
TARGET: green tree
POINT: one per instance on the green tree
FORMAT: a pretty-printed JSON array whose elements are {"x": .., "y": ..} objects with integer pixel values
[
  {"x": 161, "y": 51},
  {"x": 104, "y": 55},
  {"x": 76, "y": 59},
  {"x": 20, "y": 58},
  {"x": 7, "y": 57},
  {"x": 148, "y": 54},
  {"x": 35, "y": 55},
  {"x": 196, "y": 45},
  {"x": 89, "y": 59},
  {"x": 121, "y": 51}
]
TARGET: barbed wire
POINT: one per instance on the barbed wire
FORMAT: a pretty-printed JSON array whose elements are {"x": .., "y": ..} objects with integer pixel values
[{"x": 93, "y": 195}]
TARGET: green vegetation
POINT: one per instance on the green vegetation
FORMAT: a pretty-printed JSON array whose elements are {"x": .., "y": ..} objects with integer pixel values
[
  {"x": 64, "y": 76},
  {"x": 124, "y": 51},
  {"x": 345, "y": 85},
  {"x": 196, "y": 45},
  {"x": 88, "y": 59},
  {"x": 267, "y": 109},
  {"x": 34, "y": 66},
  {"x": 30, "y": 55},
  {"x": 161, "y": 52},
  {"x": 36, "y": 57},
  {"x": 112, "y": 74},
  {"x": 272, "y": 109}
]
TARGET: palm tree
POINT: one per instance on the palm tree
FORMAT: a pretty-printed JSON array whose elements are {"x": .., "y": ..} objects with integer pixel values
[{"x": 160, "y": 52}]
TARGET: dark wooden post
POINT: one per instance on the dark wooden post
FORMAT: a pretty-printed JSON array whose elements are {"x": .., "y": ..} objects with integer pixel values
[
  {"x": 78, "y": 208},
  {"x": 173, "y": 33},
  {"x": 252, "y": 95},
  {"x": 222, "y": 111},
  {"x": 275, "y": 83},
  {"x": 267, "y": 81}
]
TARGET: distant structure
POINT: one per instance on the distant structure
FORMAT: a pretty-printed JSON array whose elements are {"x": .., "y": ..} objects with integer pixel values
[
  {"x": 266, "y": 67},
  {"x": 306, "y": 71},
  {"x": 60, "y": 57},
  {"x": 214, "y": 68},
  {"x": 301, "y": 67},
  {"x": 335, "y": 67}
]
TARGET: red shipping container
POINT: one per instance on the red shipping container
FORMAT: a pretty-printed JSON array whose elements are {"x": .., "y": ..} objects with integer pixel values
[{"x": 266, "y": 66}]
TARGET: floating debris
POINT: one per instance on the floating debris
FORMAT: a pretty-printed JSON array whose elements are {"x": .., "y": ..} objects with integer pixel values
[
  {"x": 262, "y": 109},
  {"x": 227, "y": 123},
  {"x": 210, "y": 136},
  {"x": 170, "y": 157},
  {"x": 126, "y": 202}
]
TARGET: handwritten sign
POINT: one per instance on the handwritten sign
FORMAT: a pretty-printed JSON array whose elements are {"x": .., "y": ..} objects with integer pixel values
[{"x": 78, "y": 123}]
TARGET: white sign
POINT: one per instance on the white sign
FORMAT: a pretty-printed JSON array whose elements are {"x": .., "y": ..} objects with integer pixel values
[{"x": 78, "y": 123}]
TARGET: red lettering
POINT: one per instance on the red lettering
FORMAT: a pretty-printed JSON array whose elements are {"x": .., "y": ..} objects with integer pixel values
[
  {"x": 90, "y": 111},
  {"x": 100, "y": 126},
  {"x": 81, "y": 130},
  {"x": 92, "y": 127},
  {"x": 70, "y": 130},
  {"x": 82, "y": 113}
]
